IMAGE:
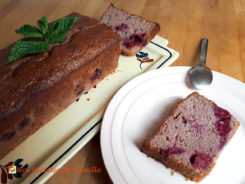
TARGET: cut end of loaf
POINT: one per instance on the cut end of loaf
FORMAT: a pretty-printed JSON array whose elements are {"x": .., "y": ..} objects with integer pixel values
[
  {"x": 191, "y": 138},
  {"x": 135, "y": 31}
]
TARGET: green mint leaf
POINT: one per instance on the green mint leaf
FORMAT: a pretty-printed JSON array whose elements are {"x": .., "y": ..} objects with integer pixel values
[
  {"x": 58, "y": 30},
  {"x": 22, "y": 48},
  {"x": 43, "y": 24},
  {"x": 28, "y": 31}
]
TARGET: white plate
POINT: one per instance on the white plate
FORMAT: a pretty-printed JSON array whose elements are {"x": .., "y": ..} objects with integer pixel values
[
  {"x": 142, "y": 104},
  {"x": 60, "y": 139}
]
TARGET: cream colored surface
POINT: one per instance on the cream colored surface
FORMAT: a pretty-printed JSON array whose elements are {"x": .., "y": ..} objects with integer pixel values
[{"x": 183, "y": 23}]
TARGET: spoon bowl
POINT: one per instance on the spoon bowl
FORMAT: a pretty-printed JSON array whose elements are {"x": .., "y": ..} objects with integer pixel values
[{"x": 200, "y": 76}]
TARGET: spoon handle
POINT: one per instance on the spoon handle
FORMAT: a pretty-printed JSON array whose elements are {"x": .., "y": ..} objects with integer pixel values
[{"x": 204, "y": 48}]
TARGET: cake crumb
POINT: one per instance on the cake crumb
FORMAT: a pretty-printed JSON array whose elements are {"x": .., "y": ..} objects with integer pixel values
[
  {"x": 95, "y": 86},
  {"x": 88, "y": 99},
  {"x": 172, "y": 173}
]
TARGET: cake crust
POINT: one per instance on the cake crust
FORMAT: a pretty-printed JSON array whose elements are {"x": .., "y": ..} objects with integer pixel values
[
  {"x": 177, "y": 165},
  {"x": 37, "y": 88}
]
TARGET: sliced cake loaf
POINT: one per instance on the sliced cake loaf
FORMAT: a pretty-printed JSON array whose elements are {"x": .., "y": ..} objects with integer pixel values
[
  {"x": 38, "y": 87},
  {"x": 135, "y": 31},
  {"x": 191, "y": 138}
]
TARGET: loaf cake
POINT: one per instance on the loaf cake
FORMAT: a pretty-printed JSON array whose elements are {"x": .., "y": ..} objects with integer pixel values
[
  {"x": 191, "y": 138},
  {"x": 36, "y": 88},
  {"x": 135, "y": 31}
]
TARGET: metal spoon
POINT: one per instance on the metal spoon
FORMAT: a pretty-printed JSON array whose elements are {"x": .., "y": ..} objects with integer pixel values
[{"x": 200, "y": 76}]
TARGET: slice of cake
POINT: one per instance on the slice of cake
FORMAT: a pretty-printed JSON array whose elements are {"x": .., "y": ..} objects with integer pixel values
[
  {"x": 191, "y": 138},
  {"x": 135, "y": 31}
]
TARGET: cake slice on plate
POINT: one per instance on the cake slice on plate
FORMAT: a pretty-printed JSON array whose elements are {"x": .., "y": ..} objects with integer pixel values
[
  {"x": 191, "y": 138},
  {"x": 135, "y": 31}
]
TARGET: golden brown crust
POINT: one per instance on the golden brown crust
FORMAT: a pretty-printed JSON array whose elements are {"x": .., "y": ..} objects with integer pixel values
[
  {"x": 43, "y": 106},
  {"x": 170, "y": 162}
]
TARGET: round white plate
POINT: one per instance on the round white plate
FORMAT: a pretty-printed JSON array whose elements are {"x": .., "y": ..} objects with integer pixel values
[{"x": 142, "y": 104}]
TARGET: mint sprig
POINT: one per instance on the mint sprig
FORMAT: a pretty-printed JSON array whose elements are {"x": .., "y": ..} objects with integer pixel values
[
  {"x": 43, "y": 25},
  {"x": 22, "y": 48},
  {"x": 28, "y": 31},
  {"x": 56, "y": 32},
  {"x": 59, "y": 29}
]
